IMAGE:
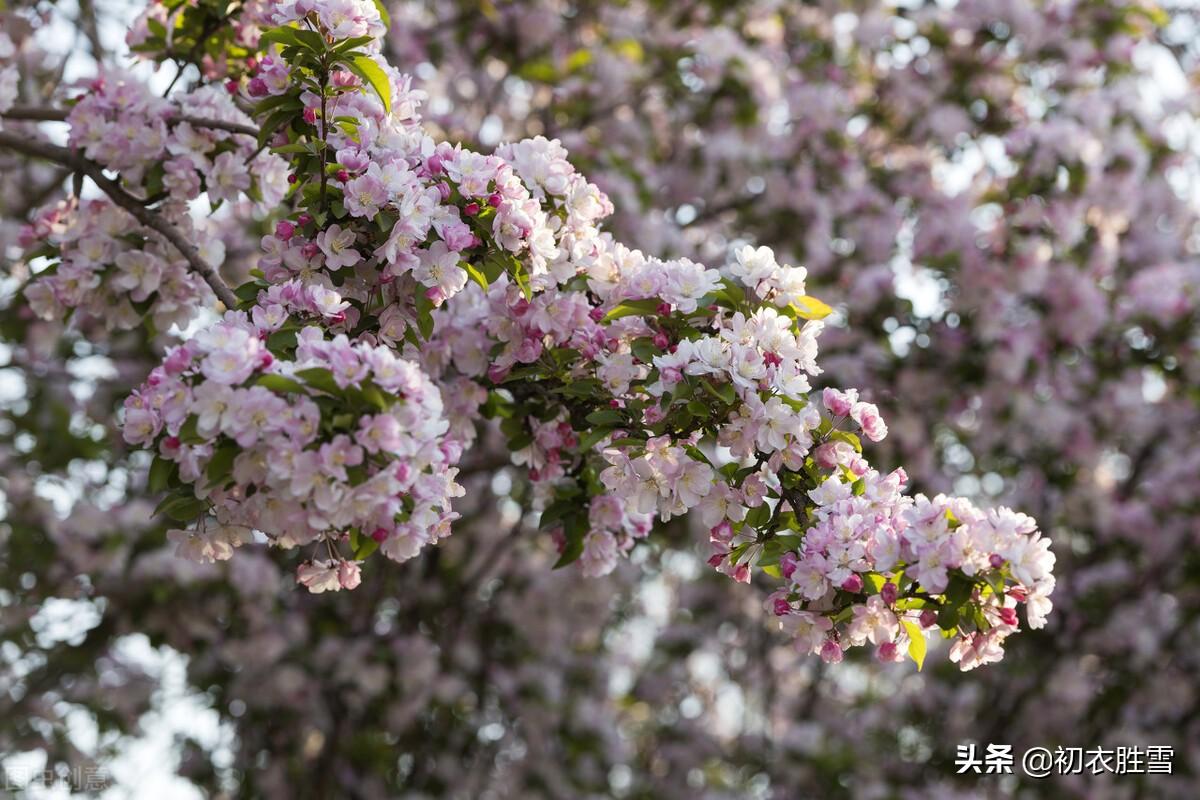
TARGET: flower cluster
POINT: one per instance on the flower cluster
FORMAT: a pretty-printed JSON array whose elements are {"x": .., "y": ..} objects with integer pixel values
[
  {"x": 111, "y": 269},
  {"x": 120, "y": 124},
  {"x": 891, "y": 555},
  {"x": 268, "y": 424},
  {"x": 629, "y": 386}
]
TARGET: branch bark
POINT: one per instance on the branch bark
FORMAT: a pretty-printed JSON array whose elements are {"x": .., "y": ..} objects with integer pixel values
[
  {"x": 35, "y": 114},
  {"x": 151, "y": 219}
]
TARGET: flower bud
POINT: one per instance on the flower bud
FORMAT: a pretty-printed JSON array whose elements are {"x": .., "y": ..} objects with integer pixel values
[
  {"x": 996, "y": 560},
  {"x": 782, "y": 607},
  {"x": 257, "y": 88},
  {"x": 661, "y": 341},
  {"x": 853, "y": 584},
  {"x": 889, "y": 592},
  {"x": 471, "y": 209},
  {"x": 831, "y": 652},
  {"x": 284, "y": 230},
  {"x": 887, "y": 652},
  {"x": 928, "y": 618}
]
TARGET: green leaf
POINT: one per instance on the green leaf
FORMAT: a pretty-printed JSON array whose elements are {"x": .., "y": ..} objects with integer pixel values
[
  {"x": 366, "y": 546},
  {"x": 188, "y": 433},
  {"x": 221, "y": 463},
  {"x": 273, "y": 123},
  {"x": 874, "y": 582},
  {"x": 377, "y": 397},
  {"x": 280, "y": 384},
  {"x": 319, "y": 378},
  {"x": 282, "y": 36},
  {"x": 574, "y": 530},
  {"x": 849, "y": 438},
  {"x": 633, "y": 308},
  {"x": 476, "y": 275},
  {"x": 605, "y": 416},
  {"x": 916, "y": 642},
  {"x": 181, "y": 507},
  {"x": 383, "y": 13},
  {"x": 811, "y": 308},
  {"x": 161, "y": 471},
  {"x": 424, "y": 315},
  {"x": 374, "y": 76},
  {"x": 592, "y": 437}
]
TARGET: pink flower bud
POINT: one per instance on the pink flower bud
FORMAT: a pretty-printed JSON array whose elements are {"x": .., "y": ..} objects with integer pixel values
[
  {"x": 887, "y": 652},
  {"x": 661, "y": 341},
  {"x": 284, "y": 230},
  {"x": 831, "y": 652},
  {"x": 722, "y": 533},
  {"x": 838, "y": 403},
  {"x": 257, "y": 87},
  {"x": 171, "y": 442},
  {"x": 596, "y": 314},
  {"x": 782, "y": 607},
  {"x": 663, "y": 309},
  {"x": 310, "y": 116},
  {"x": 928, "y": 618},
  {"x": 788, "y": 563},
  {"x": 853, "y": 584},
  {"x": 232, "y": 86},
  {"x": 304, "y": 219},
  {"x": 343, "y": 176},
  {"x": 494, "y": 200},
  {"x": 292, "y": 178},
  {"x": 443, "y": 191},
  {"x": 380, "y": 535},
  {"x": 471, "y": 209},
  {"x": 996, "y": 560},
  {"x": 889, "y": 592},
  {"x": 826, "y": 456}
]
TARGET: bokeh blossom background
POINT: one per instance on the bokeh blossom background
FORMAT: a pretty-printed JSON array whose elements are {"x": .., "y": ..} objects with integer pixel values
[{"x": 1000, "y": 200}]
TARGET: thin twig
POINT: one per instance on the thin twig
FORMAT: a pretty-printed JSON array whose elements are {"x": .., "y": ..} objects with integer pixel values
[{"x": 149, "y": 218}]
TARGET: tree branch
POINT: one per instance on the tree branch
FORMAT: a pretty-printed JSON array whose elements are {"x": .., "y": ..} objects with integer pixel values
[
  {"x": 34, "y": 114},
  {"x": 61, "y": 155}
]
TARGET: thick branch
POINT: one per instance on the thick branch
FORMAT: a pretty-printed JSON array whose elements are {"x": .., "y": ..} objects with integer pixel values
[
  {"x": 34, "y": 114},
  {"x": 147, "y": 217}
]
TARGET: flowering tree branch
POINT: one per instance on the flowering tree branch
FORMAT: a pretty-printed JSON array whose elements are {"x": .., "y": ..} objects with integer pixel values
[
  {"x": 42, "y": 114},
  {"x": 37, "y": 148}
]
